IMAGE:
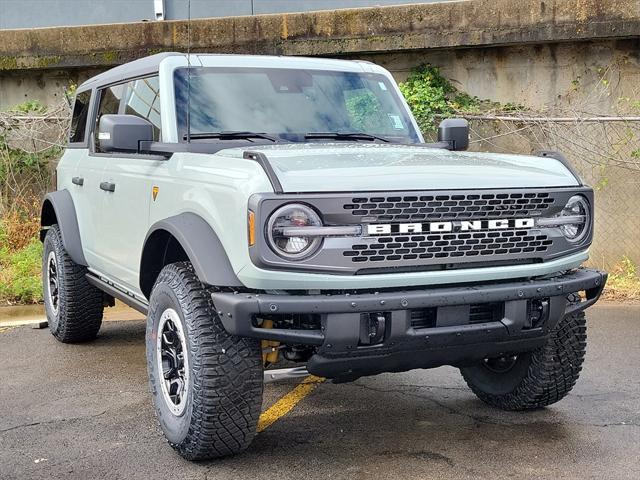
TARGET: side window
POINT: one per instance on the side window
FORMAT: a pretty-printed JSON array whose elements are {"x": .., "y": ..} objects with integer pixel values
[
  {"x": 79, "y": 117},
  {"x": 143, "y": 100},
  {"x": 109, "y": 104}
]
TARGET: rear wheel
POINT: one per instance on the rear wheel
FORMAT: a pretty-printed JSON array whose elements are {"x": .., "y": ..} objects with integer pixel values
[
  {"x": 534, "y": 379},
  {"x": 73, "y": 306},
  {"x": 206, "y": 383}
]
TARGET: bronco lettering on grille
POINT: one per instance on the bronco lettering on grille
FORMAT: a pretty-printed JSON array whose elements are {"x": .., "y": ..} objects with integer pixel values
[{"x": 457, "y": 226}]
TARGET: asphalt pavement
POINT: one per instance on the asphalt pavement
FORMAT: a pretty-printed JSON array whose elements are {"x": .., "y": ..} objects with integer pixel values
[{"x": 84, "y": 412}]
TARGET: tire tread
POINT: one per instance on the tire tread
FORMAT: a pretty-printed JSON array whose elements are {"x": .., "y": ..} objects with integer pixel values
[
  {"x": 553, "y": 370},
  {"x": 81, "y": 304},
  {"x": 226, "y": 373}
]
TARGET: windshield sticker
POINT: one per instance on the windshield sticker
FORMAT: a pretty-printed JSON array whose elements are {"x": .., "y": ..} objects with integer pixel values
[
  {"x": 396, "y": 122},
  {"x": 382, "y": 86}
]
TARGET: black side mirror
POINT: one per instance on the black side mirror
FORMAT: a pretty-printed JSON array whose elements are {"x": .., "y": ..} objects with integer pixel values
[
  {"x": 123, "y": 133},
  {"x": 454, "y": 132}
]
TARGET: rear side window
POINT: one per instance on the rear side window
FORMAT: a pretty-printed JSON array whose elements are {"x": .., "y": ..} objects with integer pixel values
[
  {"x": 109, "y": 104},
  {"x": 143, "y": 100},
  {"x": 79, "y": 117}
]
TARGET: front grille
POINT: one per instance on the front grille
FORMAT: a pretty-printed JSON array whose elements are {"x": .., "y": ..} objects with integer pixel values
[
  {"x": 449, "y": 245},
  {"x": 386, "y": 246},
  {"x": 438, "y": 207}
]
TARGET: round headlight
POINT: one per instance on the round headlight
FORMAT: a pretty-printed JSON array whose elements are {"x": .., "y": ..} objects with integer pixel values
[
  {"x": 283, "y": 242},
  {"x": 576, "y": 208}
]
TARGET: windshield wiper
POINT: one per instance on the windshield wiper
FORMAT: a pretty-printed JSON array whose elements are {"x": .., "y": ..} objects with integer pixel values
[
  {"x": 229, "y": 135},
  {"x": 346, "y": 136}
]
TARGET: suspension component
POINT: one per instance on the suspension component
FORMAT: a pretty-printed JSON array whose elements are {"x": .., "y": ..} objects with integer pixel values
[{"x": 269, "y": 347}]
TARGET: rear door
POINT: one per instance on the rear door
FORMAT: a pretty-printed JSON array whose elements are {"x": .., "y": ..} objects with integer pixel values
[
  {"x": 85, "y": 188},
  {"x": 126, "y": 191}
]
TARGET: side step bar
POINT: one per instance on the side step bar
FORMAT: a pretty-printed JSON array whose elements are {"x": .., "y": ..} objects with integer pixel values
[
  {"x": 276, "y": 375},
  {"x": 115, "y": 292}
]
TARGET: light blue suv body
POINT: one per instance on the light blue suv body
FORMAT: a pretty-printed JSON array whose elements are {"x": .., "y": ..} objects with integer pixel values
[{"x": 301, "y": 196}]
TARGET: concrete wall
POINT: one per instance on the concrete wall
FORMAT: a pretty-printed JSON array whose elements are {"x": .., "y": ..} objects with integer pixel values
[
  {"x": 535, "y": 75},
  {"x": 55, "y": 13},
  {"x": 521, "y": 52}
]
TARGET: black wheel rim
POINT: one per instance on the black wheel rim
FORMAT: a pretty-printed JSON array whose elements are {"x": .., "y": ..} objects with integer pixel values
[
  {"x": 500, "y": 364},
  {"x": 173, "y": 363}
]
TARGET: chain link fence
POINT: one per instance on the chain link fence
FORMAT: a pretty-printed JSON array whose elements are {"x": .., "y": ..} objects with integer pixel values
[
  {"x": 30, "y": 144},
  {"x": 605, "y": 150}
]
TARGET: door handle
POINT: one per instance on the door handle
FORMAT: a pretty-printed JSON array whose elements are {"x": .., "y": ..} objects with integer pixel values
[
  {"x": 77, "y": 181},
  {"x": 108, "y": 186}
]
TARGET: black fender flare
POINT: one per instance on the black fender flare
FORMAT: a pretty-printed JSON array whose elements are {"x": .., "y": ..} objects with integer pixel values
[
  {"x": 202, "y": 246},
  {"x": 58, "y": 207}
]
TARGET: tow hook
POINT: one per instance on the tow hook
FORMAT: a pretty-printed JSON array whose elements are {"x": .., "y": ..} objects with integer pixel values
[{"x": 372, "y": 328}]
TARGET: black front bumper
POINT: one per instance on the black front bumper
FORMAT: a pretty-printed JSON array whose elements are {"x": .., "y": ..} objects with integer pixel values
[{"x": 452, "y": 338}]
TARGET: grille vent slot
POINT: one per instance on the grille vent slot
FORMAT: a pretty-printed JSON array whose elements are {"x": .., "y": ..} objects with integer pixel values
[
  {"x": 486, "y": 312},
  {"x": 478, "y": 313},
  {"x": 424, "y": 318},
  {"x": 449, "y": 245},
  {"x": 437, "y": 207}
]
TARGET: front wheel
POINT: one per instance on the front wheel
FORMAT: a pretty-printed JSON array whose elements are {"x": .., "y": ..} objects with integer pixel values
[
  {"x": 206, "y": 383},
  {"x": 534, "y": 379}
]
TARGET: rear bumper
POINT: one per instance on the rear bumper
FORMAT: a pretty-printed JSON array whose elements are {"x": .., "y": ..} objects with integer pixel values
[{"x": 450, "y": 335}]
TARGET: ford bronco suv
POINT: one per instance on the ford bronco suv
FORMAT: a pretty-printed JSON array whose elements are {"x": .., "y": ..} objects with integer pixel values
[{"x": 282, "y": 211}]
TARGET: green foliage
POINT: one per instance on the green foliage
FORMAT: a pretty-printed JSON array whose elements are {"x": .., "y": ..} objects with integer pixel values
[
  {"x": 30, "y": 106},
  {"x": 623, "y": 282},
  {"x": 19, "y": 163},
  {"x": 431, "y": 96},
  {"x": 20, "y": 271},
  {"x": 363, "y": 109},
  {"x": 70, "y": 92}
]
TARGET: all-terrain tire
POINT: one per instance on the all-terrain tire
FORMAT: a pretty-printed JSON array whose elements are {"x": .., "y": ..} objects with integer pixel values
[
  {"x": 537, "y": 378},
  {"x": 224, "y": 379},
  {"x": 73, "y": 306}
]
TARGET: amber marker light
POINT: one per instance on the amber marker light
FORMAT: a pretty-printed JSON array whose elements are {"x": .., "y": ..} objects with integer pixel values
[{"x": 251, "y": 220}]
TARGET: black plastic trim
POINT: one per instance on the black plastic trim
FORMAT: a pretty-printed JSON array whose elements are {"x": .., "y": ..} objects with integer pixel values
[
  {"x": 238, "y": 309},
  {"x": 66, "y": 218},
  {"x": 262, "y": 159},
  {"x": 121, "y": 295},
  {"x": 562, "y": 159},
  {"x": 340, "y": 355},
  {"x": 201, "y": 244}
]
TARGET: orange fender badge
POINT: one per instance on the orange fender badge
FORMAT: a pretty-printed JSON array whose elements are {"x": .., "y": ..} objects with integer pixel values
[{"x": 154, "y": 192}]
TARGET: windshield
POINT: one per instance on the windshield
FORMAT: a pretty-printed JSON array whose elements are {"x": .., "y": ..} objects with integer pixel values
[{"x": 289, "y": 104}]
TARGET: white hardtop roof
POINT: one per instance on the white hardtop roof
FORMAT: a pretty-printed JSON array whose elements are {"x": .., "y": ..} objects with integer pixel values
[{"x": 149, "y": 65}]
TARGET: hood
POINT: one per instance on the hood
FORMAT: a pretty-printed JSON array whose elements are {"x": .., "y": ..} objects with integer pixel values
[{"x": 380, "y": 167}]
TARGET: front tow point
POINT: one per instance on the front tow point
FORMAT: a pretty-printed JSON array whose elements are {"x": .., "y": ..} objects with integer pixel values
[{"x": 372, "y": 328}]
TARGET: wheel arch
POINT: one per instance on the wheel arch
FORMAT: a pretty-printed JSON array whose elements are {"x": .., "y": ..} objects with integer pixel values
[
  {"x": 58, "y": 208},
  {"x": 185, "y": 237}
]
